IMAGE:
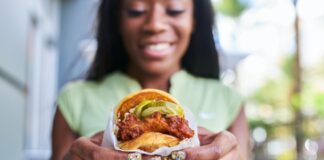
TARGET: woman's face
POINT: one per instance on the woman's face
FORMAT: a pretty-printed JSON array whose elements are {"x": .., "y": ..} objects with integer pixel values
[{"x": 156, "y": 33}]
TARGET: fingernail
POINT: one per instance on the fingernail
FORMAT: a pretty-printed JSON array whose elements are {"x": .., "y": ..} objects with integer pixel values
[
  {"x": 134, "y": 156},
  {"x": 178, "y": 155}
]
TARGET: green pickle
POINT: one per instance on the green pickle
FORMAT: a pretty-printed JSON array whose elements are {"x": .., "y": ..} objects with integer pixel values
[
  {"x": 148, "y": 107},
  {"x": 140, "y": 107}
]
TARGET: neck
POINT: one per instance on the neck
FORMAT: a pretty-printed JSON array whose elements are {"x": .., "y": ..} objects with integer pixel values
[{"x": 149, "y": 80}]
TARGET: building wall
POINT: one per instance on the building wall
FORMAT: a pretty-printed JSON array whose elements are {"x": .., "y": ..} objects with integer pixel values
[
  {"x": 12, "y": 65},
  {"x": 43, "y": 45},
  {"x": 12, "y": 104},
  {"x": 28, "y": 75}
]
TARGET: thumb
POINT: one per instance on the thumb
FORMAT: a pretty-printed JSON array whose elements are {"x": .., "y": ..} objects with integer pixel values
[
  {"x": 223, "y": 143},
  {"x": 97, "y": 138}
]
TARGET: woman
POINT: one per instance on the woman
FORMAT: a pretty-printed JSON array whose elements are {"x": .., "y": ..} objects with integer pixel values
[{"x": 162, "y": 44}]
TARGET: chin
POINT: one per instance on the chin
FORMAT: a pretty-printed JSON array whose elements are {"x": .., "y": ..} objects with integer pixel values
[
  {"x": 156, "y": 71},
  {"x": 160, "y": 68}
]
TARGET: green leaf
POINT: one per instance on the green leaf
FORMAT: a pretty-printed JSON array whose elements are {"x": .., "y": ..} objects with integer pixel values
[{"x": 232, "y": 8}]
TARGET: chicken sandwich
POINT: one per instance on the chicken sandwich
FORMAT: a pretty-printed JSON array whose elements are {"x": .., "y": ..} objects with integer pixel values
[{"x": 150, "y": 119}]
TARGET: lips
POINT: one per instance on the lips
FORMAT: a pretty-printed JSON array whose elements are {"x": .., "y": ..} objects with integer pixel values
[
  {"x": 158, "y": 47},
  {"x": 158, "y": 50}
]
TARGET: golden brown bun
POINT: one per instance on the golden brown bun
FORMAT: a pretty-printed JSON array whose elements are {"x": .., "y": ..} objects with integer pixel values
[
  {"x": 149, "y": 142},
  {"x": 134, "y": 99}
]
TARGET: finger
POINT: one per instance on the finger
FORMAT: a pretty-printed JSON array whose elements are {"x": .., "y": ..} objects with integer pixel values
[
  {"x": 146, "y": 157},
  {"x": 205, "y": 136},
  {"x": 233, "y": 154},
  {"x": 206, "y": 139},
  {"x": 97, "y": 138},
  {"x": 206, "y": 152},
  {"x": 86, "y": 149},
  {"x": 223, "y": 143},
  {"x": 225, "y": 138},
  {"x": 71, "y": 157},
  {"x": 204, "y": 131}
]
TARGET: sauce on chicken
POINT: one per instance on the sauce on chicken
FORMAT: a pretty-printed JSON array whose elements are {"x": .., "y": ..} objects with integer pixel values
[{"x": 132, "y": 127}]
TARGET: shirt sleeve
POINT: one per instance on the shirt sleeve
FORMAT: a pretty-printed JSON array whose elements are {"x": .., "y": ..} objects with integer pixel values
[{"x": 69, "y": 103}]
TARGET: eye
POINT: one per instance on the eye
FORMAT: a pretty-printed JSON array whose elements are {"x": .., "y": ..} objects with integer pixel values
[
  {"x": 175, "y": 12},
  {"x": 135, "y": 12}
]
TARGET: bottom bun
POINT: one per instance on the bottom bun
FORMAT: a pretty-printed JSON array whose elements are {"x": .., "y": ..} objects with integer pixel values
[{"x": 149, "y": 142}]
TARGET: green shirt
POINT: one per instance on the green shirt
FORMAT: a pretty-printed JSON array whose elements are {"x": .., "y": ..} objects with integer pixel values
[{"x": 86, "y": 105}]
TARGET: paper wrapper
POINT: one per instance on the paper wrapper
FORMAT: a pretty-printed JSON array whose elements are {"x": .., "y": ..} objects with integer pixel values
[{"x": 110, "y": 139}]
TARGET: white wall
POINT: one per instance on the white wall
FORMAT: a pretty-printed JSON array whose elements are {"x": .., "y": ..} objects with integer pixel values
[
  {"x": 28, "y": 77},
  {"x": 12, "y": 104},
  {"x": 42, "y": 77},
  {"x": 13, "y": 22},
  {"x": 31, "y": 41}
]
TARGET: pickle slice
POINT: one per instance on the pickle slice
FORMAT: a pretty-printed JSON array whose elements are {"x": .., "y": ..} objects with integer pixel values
[
  {"x": 165, "y": 108},
  {"x": 140, "y": 107},
  {"x": 175, "y": 107},
  {"x": 162, "y": 109},
  {"x": 148, "y": 107}
]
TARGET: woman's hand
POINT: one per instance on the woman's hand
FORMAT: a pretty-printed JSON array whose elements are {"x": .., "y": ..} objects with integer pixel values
[
  {"x": 220, "y": 146},
  {"x": 90, "y": 149}
]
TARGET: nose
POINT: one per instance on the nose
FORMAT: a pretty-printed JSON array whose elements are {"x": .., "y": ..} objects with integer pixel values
[{"x": 155, "y": 21}]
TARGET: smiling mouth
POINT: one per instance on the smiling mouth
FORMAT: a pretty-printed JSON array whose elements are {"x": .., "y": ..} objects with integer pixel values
[
  {"x": 158, "y": 50},
  {"x": 158, "y": 46}
]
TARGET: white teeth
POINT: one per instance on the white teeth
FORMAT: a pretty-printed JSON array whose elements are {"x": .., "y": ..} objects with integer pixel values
[{"x": 158, "y": 46}]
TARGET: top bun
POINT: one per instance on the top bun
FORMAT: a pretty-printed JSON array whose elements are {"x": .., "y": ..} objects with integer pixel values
[{"x": 133, "y": 99}]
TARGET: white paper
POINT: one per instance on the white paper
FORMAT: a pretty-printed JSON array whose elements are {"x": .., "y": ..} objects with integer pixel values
[{"x": 110, "y": 139}]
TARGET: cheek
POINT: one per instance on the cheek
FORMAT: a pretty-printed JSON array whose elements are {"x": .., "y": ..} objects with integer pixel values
[
  {"x": 184, "y": 32},
  {"x": 126, "y": 30},
  {"x": 185, "y": 27},
  {"x": 129, "y": 34}
]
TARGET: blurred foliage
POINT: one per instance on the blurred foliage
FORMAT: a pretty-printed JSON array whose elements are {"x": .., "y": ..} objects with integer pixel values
[
  {"x": 313, "y": 90},
  {"x": 287, "y": 155},
  {"x": 287, "y": 66},
  {"x": 311, "y": 129},
  {"x": 260, "y": 123},
  {"x": 319, "y": 102},
  {"x": 232, "y": 8},
  {"x": 276, "y": 92}
]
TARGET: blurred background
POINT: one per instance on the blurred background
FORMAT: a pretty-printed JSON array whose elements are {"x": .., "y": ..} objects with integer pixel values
[{"x": 271, "y": 51}]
